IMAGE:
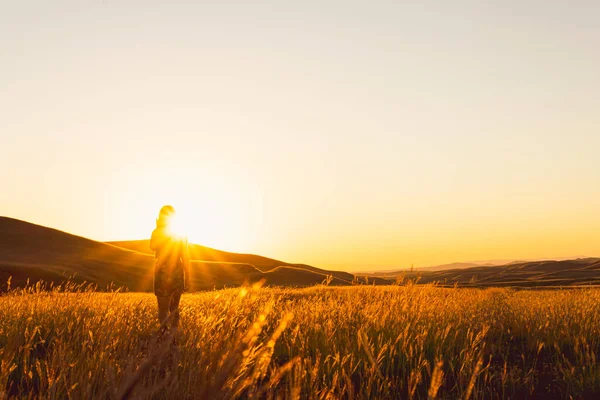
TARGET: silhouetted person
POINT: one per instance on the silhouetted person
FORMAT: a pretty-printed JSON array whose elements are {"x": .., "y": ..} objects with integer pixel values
[{"x": 172, "y": 266}]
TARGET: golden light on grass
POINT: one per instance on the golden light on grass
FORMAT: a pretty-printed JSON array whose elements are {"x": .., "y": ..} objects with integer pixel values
[{"x": 347, "y": 342}]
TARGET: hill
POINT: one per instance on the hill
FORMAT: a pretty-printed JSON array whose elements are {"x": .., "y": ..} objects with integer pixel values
[
  {"x": 395, "y": 272},
  {"x": 33, "y": 252},
  {"x": 579, "y": 272},
  {"x": 203, "y": 253},
  {"x": 198, "y": 252},
  {"x": 456, "y": 265}
]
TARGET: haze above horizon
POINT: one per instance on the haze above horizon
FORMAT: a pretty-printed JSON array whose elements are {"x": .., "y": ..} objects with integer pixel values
[{"x": 343, "y": 135}]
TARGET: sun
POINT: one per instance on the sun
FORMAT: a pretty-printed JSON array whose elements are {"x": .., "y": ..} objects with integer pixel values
[
  {"x": 213, "y": 210},
  {"x": 177, "y": 227},
  {"x": 212, "y": 221}
]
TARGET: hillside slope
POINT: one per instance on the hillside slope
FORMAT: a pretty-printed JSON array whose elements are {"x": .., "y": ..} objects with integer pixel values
[
  {"x": 578, "y": 272},
  {"x": 203, "y": 253},
  {"x": 32, "y": 252}
]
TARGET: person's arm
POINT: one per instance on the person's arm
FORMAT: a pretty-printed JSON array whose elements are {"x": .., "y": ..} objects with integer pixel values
[
  {"x": 153, "y": 241},
  {"x": 186, "y": 265}
]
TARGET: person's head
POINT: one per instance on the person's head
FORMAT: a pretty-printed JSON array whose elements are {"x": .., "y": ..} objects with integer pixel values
[{"x": 165, "y": 215}]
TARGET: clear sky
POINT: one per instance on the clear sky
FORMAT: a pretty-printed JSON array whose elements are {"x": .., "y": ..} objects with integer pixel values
[{"x": 350, "y": 135}]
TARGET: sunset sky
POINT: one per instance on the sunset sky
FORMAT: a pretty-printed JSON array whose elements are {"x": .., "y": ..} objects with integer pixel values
[{"x": 348, "y": 135}]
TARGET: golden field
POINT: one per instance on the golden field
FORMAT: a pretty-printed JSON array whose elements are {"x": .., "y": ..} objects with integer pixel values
[{"x": 411, "y": 341}]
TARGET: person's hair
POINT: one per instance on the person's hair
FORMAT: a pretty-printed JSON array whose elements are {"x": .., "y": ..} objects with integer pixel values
[{"x": 165, "y": 213}]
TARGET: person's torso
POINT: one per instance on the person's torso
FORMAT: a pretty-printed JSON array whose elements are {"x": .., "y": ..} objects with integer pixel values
[{"x": 169, "y": 252}]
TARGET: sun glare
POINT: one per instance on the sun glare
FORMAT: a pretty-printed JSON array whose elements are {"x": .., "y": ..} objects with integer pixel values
[
  {"x": 213, "y": 221},
  {"x": 206, "y": 224},
  {"x": 221, "y": 212},
  {"x": 177, "y": 227}
]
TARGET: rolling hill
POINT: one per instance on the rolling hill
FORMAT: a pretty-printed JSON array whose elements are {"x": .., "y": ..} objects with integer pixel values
[
  {"x": 579, "y": 272},
  {"x": 456, "y": 265},
  {"x": 203, "y": 253},
  {"x": 33, "y": 252}
]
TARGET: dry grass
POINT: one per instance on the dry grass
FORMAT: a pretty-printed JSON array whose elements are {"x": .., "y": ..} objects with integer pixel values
[{"x": 346, "y": 342}]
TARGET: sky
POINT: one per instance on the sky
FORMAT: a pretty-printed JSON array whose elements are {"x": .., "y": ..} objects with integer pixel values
[{"x": 342, "y": 134}]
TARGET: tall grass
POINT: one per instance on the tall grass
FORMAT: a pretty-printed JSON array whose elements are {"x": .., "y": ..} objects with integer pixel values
[{"x": 346, "y": 342}]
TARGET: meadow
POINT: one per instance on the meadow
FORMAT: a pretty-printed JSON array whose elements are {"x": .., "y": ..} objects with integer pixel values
[{"x": 402, "y": 341}]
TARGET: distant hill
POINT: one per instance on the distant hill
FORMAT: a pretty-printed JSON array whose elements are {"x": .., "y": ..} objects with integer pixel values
[
  {"x": 457, "y": 265},
  {"x": 579, "y": 272},
  {"x": 394, "y": 273},
  {"x": 391, "y": 274},
  {"x": 33, "y": 252}
]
